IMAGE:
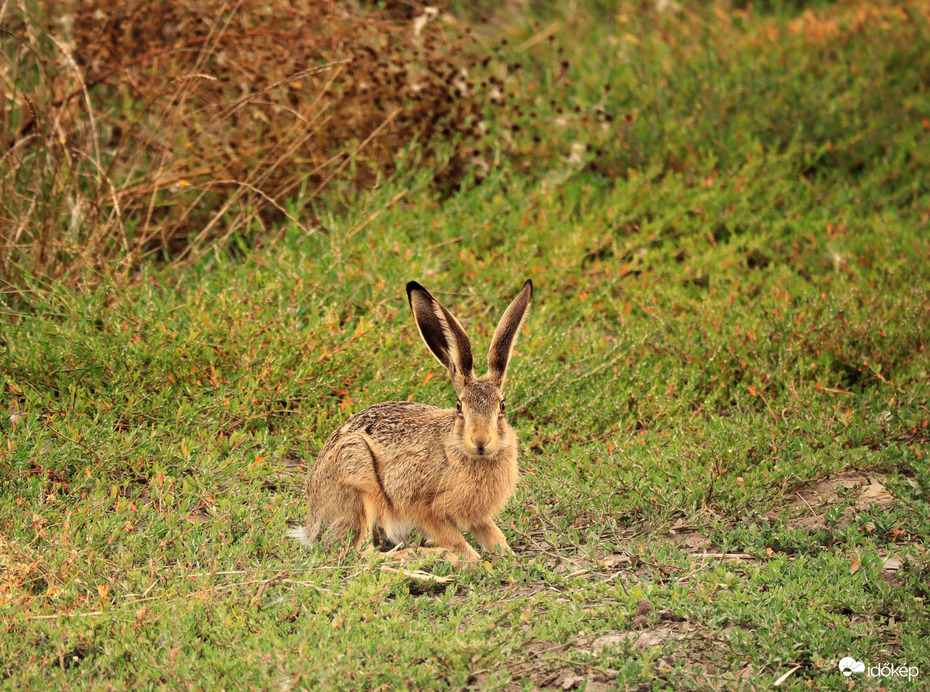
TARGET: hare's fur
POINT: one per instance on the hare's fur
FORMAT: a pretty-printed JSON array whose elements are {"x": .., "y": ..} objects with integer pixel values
[{"x": 402, "y": 465}]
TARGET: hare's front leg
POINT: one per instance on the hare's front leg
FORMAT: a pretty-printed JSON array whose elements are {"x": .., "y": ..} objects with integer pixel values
[
  {"x": 490, "y": 537},
  {"x": 447, "y": 535}
]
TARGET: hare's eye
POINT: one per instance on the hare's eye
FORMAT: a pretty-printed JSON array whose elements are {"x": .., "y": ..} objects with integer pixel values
[
  {"x": 458, "y": 405},
  {"x": 503, "y": 406}
]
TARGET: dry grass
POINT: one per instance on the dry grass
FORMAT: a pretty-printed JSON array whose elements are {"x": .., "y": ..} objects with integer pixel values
[{"x": 157, "y": 128}]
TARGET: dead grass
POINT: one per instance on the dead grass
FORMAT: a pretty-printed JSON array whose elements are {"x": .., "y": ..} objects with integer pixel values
[{"x": 157, "y": 128}]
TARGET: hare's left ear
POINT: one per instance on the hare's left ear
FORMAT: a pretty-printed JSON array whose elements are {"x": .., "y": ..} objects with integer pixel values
[
  {"x": 505, "y": 336},
  {"x": 443, "y": 335}
]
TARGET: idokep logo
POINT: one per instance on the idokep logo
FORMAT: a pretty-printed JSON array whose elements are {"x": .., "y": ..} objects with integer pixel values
[{"x": 848, "y": 665}]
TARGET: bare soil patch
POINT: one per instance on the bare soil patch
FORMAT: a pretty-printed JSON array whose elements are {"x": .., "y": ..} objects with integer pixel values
[{"x": 811, "y": 501}]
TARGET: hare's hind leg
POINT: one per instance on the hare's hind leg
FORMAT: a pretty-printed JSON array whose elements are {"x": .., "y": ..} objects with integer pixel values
[{"x": 339, "y": 513}]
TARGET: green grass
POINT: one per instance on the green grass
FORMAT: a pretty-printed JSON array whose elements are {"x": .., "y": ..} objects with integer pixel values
[{"x": 711, "y": 334}]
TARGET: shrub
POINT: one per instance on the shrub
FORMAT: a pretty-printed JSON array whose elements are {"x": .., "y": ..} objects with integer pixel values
[{"x": 141, "y": 128}]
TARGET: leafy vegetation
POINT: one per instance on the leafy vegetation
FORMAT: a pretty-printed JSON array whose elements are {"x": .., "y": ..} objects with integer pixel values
[{"x": 721, "y": 390}]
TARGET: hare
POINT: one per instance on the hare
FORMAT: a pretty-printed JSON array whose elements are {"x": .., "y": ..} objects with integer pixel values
[{"x": 401, "y": 465}]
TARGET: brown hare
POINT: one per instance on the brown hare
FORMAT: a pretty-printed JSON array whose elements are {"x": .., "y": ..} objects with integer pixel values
[{"x": 401, "y": 465}]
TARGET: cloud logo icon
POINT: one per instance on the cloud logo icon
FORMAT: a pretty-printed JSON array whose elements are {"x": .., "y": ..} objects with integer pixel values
[{"x": 849, "y": 665}]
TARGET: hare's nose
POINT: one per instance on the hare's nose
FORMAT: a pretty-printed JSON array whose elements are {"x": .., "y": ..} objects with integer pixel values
[{"x": 480, "y": 446}]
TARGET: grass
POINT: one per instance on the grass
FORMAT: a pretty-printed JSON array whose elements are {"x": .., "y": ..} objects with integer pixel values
[
  {"x": 721, "y": 393},
  {"x": 163, "y": 130}
]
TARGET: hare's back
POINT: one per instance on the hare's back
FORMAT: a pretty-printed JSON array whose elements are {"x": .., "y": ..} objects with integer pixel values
[{"x": 394, "y": 424}]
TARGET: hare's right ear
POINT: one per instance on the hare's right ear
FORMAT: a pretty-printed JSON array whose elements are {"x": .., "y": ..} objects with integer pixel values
[{"x": 443, "y": 335}]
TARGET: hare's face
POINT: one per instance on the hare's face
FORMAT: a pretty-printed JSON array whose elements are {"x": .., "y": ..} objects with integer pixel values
[
  {"x": 480, "y": 426},
  {"x": 480, "y": 423}
]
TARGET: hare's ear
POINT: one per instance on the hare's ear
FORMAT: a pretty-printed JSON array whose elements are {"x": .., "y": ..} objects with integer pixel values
[
  {"x": 506, "y": 335},
  {"x": 443, "y": 335}
]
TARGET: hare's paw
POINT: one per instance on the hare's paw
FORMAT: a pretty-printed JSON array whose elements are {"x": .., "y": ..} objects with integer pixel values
[{"x": 491, "y": 538}]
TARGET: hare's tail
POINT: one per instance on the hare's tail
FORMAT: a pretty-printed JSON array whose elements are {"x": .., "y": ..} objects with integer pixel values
[
  {"x": 299, "y": 533},
  {"x": 302, "y": 535}
]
